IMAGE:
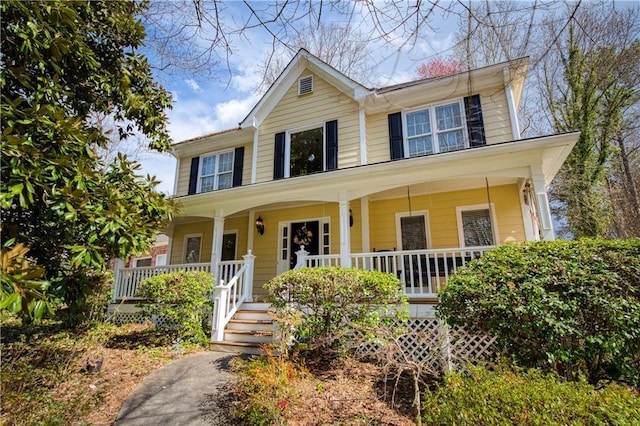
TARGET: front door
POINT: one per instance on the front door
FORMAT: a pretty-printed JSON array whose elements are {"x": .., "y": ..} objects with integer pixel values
[
  {"x": 304, "y": 234},
  {"x": 312, "y": 233}
]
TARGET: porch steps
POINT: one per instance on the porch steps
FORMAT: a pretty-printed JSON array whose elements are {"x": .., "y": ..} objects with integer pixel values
[{"x": 250, "y": 327}]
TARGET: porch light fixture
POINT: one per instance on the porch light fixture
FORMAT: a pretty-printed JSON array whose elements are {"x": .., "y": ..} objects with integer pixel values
[
  {"x": 260, "y": 225},
  {"x": 350, "y": 219}
]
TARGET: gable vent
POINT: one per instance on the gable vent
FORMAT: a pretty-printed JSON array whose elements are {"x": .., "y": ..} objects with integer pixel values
[{"x": 305, "y": 85}]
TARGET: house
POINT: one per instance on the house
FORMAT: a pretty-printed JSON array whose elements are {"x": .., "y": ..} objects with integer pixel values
[
  {"x": 155, "y": 256},
  {"x": 414, "y": 179}
]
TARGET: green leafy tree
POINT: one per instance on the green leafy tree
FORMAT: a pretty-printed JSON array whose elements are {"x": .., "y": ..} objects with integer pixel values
[
  {"x": 62, "y": 63},
  {"x": 598, "y": 82}
]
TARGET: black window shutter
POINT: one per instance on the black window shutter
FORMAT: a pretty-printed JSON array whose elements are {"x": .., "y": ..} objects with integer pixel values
[
  {"x": 238, "y": 160},
  {"x": 396, "y": 141},
  {"x": 475, "y": 124},
  {"x": 331, "y": 129},
  {"x": 278, "y": 157},
  {"x": 193, "y": 175}
]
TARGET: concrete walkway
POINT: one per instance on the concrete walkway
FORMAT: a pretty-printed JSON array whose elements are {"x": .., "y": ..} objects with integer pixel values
[{"x": 192, "y": 391}]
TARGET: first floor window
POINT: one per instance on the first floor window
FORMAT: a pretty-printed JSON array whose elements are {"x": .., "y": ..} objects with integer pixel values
[
  {"x": 477, "y": 227},
  {"x": 216, "y": 171},
  {"x": 414, "y": 232},
  {"x": 141, "y": 262},
  {"x": 192, "y": 248}
]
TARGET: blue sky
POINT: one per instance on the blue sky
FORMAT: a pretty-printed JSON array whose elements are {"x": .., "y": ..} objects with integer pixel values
[{"x": 205, "y": 105}]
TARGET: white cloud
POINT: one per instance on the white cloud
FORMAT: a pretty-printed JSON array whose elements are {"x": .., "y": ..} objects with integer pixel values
[
  {"x": 230, "y": 113},
  {"x": 193, "y": 84},
  {"x": 193, "y": 117},
  {"x": 162, "y": 166}
]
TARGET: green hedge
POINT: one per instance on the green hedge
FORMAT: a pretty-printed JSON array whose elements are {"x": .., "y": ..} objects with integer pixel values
[
  {"x": 182, "y": 298},
  {"x": 570, "y": 306},
  {"x": 320, "y": 304},
  {"x": 515, "y": 397}
]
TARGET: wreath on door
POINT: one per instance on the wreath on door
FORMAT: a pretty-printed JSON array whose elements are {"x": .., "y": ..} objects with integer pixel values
[{"x": 303, "y": 236}]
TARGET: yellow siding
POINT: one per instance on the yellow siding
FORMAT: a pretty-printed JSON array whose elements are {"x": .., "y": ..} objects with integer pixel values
[
  {"x": 495, "y": 114},
  {"x": 443, "y": 226},
  {"x": 179, "y": 232},
  {"x": 205, "y": 228},
  {"x": 378, "y": 138},
  {"x": 325, "y": 104},
  {"x": 184, "y": 168}
]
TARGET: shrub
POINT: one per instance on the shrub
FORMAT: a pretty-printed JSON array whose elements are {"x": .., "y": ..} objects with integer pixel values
[
  {"x": 324, "y": 303},
  {"x": 182, "y": 298},
  {"x": 265, "y": 389},
  {"x": 572, "y": 306},
  {"x": 515, "y": 397}
]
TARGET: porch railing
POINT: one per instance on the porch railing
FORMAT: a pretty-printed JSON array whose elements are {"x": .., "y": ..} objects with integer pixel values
[
  {"x": 126, "y": 280},
  {"x": 423, "y": 272},
  {"x": 230, "y": 295}
]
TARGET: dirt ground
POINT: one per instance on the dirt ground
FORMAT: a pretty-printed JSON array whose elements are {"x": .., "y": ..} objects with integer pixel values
[{"x": 347, "y": 394}]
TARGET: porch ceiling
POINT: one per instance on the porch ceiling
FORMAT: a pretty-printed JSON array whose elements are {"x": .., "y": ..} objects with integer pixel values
[{"x": 501, "y": 163}]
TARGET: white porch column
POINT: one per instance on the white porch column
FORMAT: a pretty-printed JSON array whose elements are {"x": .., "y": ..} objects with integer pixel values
[
  {"x": 544, "y": 210},
  {"x": 364, "y": 224},
  {"x": 345, "y": 233},
  {"x": 216, "y": 245},
  {"x": 251, "y": 230}
]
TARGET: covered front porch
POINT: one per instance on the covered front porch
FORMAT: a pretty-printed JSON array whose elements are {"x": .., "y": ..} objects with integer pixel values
[{"x": 419, "y": 219}]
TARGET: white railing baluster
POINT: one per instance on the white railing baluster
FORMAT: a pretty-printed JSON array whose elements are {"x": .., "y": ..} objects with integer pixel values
[{"x": 128, "y": 279}]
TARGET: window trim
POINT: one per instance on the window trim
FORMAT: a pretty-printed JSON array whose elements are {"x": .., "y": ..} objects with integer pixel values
[
  {"x": 287, "y": 145},
  {"x": 216, "y": 179},
  {"x": 427, "y": 221},
  {"x": 434, "y": 122},
  {"x": 184, "y": 247},
  {"x": 483, "y": 206}
]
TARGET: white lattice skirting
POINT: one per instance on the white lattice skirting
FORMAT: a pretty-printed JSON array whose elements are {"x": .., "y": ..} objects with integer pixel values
[
  {"x": 121, "y": 318},
  {"x": 430, "y": 342}
]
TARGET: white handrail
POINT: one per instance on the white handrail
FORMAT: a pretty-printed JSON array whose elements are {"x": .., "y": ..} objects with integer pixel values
[{"x": 227, "y": 298}]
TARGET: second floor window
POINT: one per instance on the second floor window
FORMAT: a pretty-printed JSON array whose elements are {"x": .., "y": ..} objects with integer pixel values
[
  {"x": 307, "y": 152},
  {"x": 435, "y": 129},
  {"x": 302, "y": 152},
  {"x": 216, "y": 172}
]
